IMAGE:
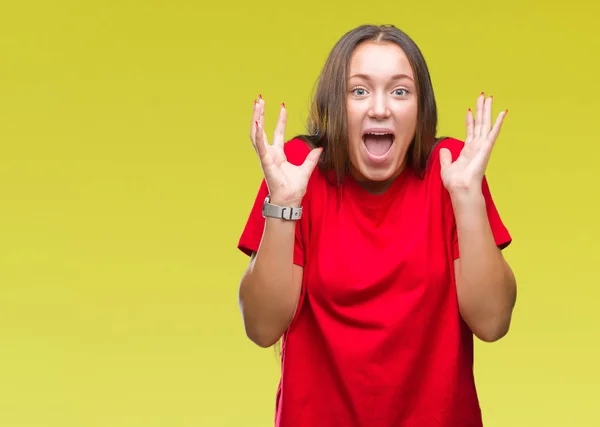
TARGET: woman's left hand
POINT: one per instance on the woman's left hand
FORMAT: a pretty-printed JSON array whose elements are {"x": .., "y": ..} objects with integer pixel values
[{"x": 464, "y": 176}]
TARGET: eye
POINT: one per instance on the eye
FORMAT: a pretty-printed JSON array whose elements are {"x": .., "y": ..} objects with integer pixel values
[
  {"x": 401, "y": 92},
  {"x": 359, "y": 91}
]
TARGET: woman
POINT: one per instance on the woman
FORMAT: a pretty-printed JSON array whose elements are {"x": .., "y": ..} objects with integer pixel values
[{"x": 377, "y": 267}]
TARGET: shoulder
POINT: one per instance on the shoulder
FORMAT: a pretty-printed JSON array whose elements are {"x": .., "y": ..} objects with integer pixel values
[
  {"x": 452, "y": 144},
  {"x": 433, "y": 168},
  {"x": 296, "y": 150}
]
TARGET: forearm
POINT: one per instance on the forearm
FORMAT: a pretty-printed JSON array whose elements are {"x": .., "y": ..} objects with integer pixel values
[
  {"x": 268, "y": 296},
  {"x": 485, "y": 283}
]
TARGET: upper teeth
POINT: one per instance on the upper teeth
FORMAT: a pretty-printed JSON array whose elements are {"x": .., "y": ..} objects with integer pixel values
[{"x": 379, "y": 133}]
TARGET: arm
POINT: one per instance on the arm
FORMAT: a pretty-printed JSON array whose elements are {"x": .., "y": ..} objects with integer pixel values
[
  {"x": 485, "y": 283},
  {"x": 270, "y": 287}
]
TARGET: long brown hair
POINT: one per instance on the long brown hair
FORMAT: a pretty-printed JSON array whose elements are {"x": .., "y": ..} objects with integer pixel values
[{"x": 327, "y": 122}]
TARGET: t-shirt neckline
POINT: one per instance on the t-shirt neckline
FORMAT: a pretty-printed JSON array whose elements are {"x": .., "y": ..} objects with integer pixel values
[{"x": 374, "y": 200}]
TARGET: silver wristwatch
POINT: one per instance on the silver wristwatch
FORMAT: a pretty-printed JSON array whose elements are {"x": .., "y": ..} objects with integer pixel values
[{"x": 281, "y": 212}]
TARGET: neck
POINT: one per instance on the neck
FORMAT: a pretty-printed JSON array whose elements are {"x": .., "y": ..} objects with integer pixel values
[{"x": 376, "y": 187}]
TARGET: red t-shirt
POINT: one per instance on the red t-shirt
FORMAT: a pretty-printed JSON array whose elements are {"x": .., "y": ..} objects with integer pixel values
[{"x": 377, "y": 339}]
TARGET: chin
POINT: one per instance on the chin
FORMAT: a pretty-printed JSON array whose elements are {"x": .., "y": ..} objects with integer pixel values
[{"x": 377, "y": 174}]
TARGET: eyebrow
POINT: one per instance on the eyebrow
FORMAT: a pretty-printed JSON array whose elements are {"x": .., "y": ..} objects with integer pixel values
[{"x": 394, "y": 77}]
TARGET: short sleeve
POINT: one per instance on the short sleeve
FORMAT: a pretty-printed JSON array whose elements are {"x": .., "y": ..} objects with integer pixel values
[
  {"x": 501, "y": 234},
  {"x": 249, "y": 241}
]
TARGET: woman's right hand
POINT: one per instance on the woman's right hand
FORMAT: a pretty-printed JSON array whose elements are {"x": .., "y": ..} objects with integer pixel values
[{"x": 286, "y": 182}]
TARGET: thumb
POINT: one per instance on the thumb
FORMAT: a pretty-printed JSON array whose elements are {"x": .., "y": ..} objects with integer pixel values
[
  {"x": 312, "y": 160},
  {"x": 445, "y": 158}
]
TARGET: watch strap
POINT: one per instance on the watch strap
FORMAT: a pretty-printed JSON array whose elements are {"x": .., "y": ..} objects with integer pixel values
[{"x": 282, "y": 212}]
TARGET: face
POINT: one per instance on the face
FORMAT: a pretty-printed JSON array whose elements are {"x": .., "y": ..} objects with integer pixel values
[{"x": 382, "y": 105}]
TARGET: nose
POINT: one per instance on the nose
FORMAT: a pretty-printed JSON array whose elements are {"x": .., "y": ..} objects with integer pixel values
[{"x": 379, "y": 108}]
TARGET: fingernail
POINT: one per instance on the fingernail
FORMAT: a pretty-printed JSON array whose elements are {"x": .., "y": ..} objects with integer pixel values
[
  {"x": 256, "y": 124},
  {"x": 283, "y": 104},
  {"x": 469, "y": 110},
  {"x": 505, "y": 113},
  {"x": 259, "y": 96},
  {"x": 482, "y": 93}
]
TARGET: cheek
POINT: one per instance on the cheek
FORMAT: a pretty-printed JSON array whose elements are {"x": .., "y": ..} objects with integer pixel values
[
  {"x": 408, "y": 115},
  {"x": 354, "y": 119}
]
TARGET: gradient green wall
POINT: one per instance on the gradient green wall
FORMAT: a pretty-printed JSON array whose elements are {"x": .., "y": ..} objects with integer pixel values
[{"x": 126, "y": 175}]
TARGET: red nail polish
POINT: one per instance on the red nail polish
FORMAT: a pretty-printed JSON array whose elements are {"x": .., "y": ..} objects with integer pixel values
[
  {"x": 283, "y": 104},
  {"x": 255, "y": 102},
  {"x": 505, "y": 113},
  {"x": 256, "y": 124},
  {"x": 259, "y": 96},
  {"x": 469, "y": 110}
]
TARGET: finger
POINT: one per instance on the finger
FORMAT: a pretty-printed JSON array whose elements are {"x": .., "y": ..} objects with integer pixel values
[
  {"x": 478, "y": 116},
  {"x": 261, "y": 111},
  {"x": 487, "y": 116},
  {"x": 253, "y": 122},
  {"x": 279, "y": 137},
  {"x": 259, "y": 139},
  {"x": 445, "y": 158},
  {"x": 312, "y": 160},
  {"x": 470, "y": 125},
  {"x": 497, "y": 126},
  {"x": 261, "y": 118}
]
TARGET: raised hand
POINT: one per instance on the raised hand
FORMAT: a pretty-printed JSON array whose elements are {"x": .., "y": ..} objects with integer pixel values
[
  {"x": 286, "y": 182},
  {"x": 465, "y": 174}
]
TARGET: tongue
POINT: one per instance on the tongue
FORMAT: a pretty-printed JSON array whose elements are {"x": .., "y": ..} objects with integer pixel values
[{"x": 378, "y": 145}]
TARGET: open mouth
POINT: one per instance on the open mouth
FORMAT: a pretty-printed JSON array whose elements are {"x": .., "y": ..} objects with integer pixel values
[{"x": 378, "y": 142}]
